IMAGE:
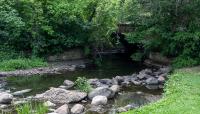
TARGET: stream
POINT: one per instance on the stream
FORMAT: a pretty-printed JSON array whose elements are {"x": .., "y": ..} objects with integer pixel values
[{"x": 110, "y": 67}]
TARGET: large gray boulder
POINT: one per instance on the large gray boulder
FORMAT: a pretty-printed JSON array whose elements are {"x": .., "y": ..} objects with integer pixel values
[
  {"x": 5, "y": 98},
  {"x": 61, "y": 96},
  {"x": 103, "y": 91},
  {"x": 77, "y": 109},
  {"x": 64, "y": 109},
  {"x": 99, "y": 100}
]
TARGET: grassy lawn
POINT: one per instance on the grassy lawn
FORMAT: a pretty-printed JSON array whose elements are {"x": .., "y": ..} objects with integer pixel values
[{"x": 182, "y": 95}]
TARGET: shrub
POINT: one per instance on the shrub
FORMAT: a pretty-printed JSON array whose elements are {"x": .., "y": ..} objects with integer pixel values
[
  {"x": 28, "y": 108},
  {"x": 82, "y": 84},
  {"x": 180, "y": 62},
  {"x": 21, "y": 63}
]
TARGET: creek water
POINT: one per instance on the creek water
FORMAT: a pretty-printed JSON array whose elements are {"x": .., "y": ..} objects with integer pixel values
[{"x": 110, "y": 67}]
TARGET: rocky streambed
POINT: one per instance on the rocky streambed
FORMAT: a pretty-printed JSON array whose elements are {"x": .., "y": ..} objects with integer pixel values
[{"x": 103, "y": 98}]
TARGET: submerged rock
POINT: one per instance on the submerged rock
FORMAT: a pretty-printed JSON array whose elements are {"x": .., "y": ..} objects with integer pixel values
[
  {"x": 152, "y": 81},
  {"x": 22, "y": 92},
  {"x": 5, "y": 98},
  {"x": 68, "y": 84},
  {"x": 62, "y": 96},
  {"x": 103, "y": 91},
  {"x": 77, "y": 109},
  {"x": 152, "y": 87},
  {"x": 99, "y": 100}
]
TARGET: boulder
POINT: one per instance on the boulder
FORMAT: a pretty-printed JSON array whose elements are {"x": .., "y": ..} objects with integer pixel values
[
  {"x": 63, "y": 87},
  {"x": 77, "y": 109},
  {"x": 119, "y": 79},
  {"x": 142, "y": 76},
  {"x": 128, "y": 78},
  {"x": 64, "y": 109},
  {"x": 68, "y": 83},
  {"x": 22, "y": 92},
  {"x": 96, "y": 83},
  {"x": 115, "y": 81},
  {"x": 99, "y": 100},
  {"x": 152, "y": 87},
  {"x": 62, "y": 96},
  {"x": 107, "y": 82},
  {"x": 103, "y": 91},
  {"x": 152, "y": 81},
  {"x": 161, "y": 79},
  {"x": 121, "y": 109},
  {"x": 125, "y": 83},
  {"x": 97, "y": 109},
  {"x": 165, "y": 69},
  {"x": 137, "y": 83},
  {"x": 5, "y": 98},
  {"x": 115, "y": 88},
  {"x": 146, "y": 71},
  {"x": 93, "y": 81}
]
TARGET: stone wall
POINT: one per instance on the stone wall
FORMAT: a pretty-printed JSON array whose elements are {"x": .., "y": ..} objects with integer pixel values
[
  {"x": 71, "y": 54},
  {"x": 159, "y": 58}
]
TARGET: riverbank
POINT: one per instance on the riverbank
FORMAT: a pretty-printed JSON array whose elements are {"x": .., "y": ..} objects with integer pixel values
[
  {"x": 181, "y": 95},
  {"x": 49, "y": 68}
]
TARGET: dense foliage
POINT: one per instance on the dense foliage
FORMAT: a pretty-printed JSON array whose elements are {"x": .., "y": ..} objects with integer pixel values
[
  {"x": 167, "y": 26},
  {"x": 42, "y": 27}
]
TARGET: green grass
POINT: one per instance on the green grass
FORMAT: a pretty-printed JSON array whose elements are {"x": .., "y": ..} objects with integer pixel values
[
  {"x": 28, "y": 108},
  {"x": 21, "y": 63},
  {"x": 182, "y": 95}
]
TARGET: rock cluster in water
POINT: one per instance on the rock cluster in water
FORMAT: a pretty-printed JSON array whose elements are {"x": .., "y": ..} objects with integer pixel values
[
  {"x": 103, "y": 90},
  {"x": 152, "y": 79}
]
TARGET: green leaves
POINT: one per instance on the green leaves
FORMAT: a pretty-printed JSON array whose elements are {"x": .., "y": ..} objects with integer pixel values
[
  {"x": 82, "y": 84},
  {"x": 39, "y": 26}
]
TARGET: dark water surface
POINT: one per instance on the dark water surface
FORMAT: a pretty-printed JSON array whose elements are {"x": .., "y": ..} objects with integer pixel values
[{"x": 110, "y": 67}]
